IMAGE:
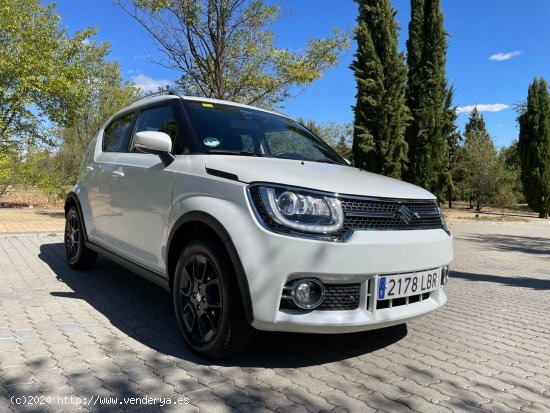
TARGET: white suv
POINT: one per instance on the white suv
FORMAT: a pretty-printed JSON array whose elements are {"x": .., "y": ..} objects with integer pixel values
[{"x": 252, "y": 221}]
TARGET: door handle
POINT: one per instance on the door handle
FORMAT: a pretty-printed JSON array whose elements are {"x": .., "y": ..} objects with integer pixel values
[{"x": 117, "y": 174}]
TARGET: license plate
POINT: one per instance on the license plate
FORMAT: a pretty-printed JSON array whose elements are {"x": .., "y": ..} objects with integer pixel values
[{"x": 403, "y": 285}]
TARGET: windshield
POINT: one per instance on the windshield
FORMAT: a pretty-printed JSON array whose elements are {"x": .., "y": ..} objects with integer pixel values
[{"x": 227, "y": 129}]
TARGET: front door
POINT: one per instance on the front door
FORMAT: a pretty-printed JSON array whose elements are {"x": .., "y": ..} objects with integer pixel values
[{"x": 141, "y": 194}]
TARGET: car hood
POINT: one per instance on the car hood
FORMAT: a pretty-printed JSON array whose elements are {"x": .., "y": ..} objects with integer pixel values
[{"x": 315, "y": 175}]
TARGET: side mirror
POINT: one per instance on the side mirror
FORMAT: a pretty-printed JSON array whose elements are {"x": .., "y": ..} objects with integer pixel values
[{"x": 158, "y": 143}]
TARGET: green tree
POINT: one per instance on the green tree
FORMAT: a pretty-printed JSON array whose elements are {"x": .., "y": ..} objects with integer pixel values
[
  {"x": 37, "y": 169},
  {"x": 9, "y": 165},
  {"x": 482, "y": 170},
  {"x": 41, "y": 70},
  {"x": 454, "y": 138},
  {"x": 534, "y": 147},
  {"x": 343, "y": 147},
  {"x": 426, "y": 94},
  {"x": 105, "y": 93},
  {"x": 380, "y": 72},
  {"x": 224, "y": 49},
  {"x": 54, "y": 167},
  {"x": 511, "y": 191}
]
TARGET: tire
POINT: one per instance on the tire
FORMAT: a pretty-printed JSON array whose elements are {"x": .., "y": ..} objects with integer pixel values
[
  {"x": 78, "y": 256},
  {"x": 207, "y": 302}
]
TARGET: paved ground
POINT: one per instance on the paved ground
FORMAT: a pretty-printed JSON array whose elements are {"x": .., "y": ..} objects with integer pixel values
[
  {"x": 107, "y": 333},
  {"x": 19, "y": 220}
]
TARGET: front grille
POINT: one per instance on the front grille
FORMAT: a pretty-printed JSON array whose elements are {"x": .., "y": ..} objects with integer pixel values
[
  {"x": 366, "y": 214},
  {"x": 338, "y": 297},
  {"x": 383, "y": 215}
]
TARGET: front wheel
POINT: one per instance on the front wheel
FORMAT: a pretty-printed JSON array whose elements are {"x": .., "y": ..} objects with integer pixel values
[
  {"x": 207, "y": 302},
  {"x": 78, "y": 256}
]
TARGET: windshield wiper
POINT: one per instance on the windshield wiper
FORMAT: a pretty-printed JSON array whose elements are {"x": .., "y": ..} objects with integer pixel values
[
  {"x": 327, "y": 161},
  {"x": 230, "y": 152}
]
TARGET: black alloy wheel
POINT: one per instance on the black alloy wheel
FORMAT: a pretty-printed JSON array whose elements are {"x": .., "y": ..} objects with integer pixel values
[
  {"x": 78, "y": 255},
  {"x": 72, "y": 237},
  {"x": 207, "y": 301},
  {"x": 200, "y": 298}
]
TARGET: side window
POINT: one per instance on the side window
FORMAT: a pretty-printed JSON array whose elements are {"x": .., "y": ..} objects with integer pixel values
[
  {"x": 160, "y": 119},
  {"x": 113, "y": 137}
]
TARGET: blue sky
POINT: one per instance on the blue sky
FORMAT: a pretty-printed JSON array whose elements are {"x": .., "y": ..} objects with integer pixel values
[{"x": 496, "y": 47}]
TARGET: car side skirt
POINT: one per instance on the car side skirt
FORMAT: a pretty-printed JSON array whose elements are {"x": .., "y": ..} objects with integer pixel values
[{"x": 149, "y": 275}]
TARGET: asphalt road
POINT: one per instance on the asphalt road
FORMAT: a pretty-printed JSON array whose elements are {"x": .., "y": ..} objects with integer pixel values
[{"x": 104, "y": 340}]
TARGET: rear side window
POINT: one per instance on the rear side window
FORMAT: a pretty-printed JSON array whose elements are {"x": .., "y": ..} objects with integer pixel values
[
  {"x": 115, "y": 133},
  {"x": 160, "y": 119}
]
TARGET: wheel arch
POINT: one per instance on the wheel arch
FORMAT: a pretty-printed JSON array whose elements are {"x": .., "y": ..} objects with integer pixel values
[
  {"x": 70, "y": 201},
  {"x": 186, "y": 228}
]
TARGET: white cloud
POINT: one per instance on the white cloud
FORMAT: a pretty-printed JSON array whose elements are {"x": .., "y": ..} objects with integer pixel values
[
  {"x": 499, "y": 57},
  {"x": 490, "y": 107},
  {"x": 148, "y": 84}
]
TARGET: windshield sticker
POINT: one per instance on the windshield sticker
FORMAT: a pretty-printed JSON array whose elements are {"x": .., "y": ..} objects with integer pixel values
[
  {"x": 207, "y": 105},
  {"x": 211, "y": 142}
]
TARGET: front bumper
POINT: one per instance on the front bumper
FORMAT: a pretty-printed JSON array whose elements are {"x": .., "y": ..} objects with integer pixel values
[{"x": 271, "y": 260}]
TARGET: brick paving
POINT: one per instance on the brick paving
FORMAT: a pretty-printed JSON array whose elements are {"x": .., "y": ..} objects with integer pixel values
[
  {"x": 106, "y": 334},
  {"x": 20, "y": 220}
]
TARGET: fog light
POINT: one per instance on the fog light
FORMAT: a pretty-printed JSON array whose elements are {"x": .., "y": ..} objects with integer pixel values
[
  {"x": 307, "y": 293},
  {"x": 444, "y": 275}
]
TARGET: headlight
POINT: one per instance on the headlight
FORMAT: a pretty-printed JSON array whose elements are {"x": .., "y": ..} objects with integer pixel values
[{"x": 301, "y": 210}]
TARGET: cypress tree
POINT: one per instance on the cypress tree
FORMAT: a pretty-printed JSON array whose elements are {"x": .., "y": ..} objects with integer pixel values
[
  {"x": 534, "y": 147},
  {"x": 450, "y": 131},
  {"x": 426, "y": 94},
  {"x": 380, "y": 112}
]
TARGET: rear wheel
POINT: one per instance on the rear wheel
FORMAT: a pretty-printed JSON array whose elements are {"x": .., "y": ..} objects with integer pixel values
[
  {"x": 78, "y": 256},
  {"x": 208, "y": 307}
]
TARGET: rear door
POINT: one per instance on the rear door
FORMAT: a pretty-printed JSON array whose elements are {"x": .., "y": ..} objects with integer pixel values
[{"x": 141, "y": 193}]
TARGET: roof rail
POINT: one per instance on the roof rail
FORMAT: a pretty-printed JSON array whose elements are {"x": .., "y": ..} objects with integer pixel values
[{"x": 176, "y": 92}]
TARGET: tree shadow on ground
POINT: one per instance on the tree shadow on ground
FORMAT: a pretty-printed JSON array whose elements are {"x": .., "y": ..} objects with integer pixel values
[
  {"x": 144, "y": 312},
  {"x": 516, "y": 243},
  {"x": 524, "y": 282}
]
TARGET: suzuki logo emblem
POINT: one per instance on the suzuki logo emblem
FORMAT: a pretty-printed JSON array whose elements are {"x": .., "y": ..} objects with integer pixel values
[{"x": 406, "y": 215}]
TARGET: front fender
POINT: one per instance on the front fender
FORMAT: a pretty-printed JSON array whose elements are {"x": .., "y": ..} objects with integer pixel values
[{"x": 228, "y": 220}]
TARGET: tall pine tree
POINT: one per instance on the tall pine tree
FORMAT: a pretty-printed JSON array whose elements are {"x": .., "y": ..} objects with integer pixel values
[
  {"x": 380, "y": 112},
  {"x": 426, "y": 95},
  {"x": 534, "y": 147},
  {"x": 482, "y": 173}
]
